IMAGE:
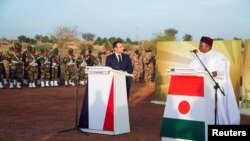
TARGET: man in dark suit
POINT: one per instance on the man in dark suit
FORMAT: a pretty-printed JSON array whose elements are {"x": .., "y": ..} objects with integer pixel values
[{"x": 120, "y": 61}]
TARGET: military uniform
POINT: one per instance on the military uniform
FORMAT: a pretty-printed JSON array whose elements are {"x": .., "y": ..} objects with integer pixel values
[
  {"x": 137, "y": 65},
  {"x": 69, "y": 62},
  {"x": 31, "y": 68},
  {"x": 148, "y": 62},
  {"x": 45, "y": 66},
  {"x": 2, "y": 70},
  {"x": 81, "y": 65},
  {"x": 55, "y": 64},
  {"x": 26, "y": 64},
  {"x": 16, "y": 66},
  {"x": 91, "y": 60}
]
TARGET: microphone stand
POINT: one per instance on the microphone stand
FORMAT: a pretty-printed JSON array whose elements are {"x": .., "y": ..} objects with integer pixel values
[
  {"x": 216, "y": 87},
  {"x": 76, "y": 127}
]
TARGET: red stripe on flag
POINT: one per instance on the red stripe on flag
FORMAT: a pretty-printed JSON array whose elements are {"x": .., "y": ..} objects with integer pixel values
[
  {"x": 186, "y": 85},
  {"x": 109, "y": 117}
]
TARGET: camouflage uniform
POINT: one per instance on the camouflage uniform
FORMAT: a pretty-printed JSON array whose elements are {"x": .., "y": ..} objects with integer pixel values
[
  {"x": 148, "y": 66},
  {"x": 81, "y": 65},
  {"x": 91, "y": 60},
  {"x": 55, "y": 60},
  {"x": 16, "y": 66},
  {"x": 137, "y": 65},
  {"x": 2, "y": 70},
  {"x": 69, "y": 62},
  {"x": 45, "y": 66},
  {"x": 26, "y": 64},
  {"x": 31, "y": 68}
]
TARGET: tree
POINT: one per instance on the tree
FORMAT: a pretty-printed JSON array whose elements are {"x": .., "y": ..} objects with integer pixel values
[
  {"x": 39, "y": 38},
  {"x": 22, "y": 38},
  {"x": 88, "y": 36},
  {"x": 187, "y": 37},
  {"x": 218, "y": 39},
  {"x": 236, "y": 38},
  {"x": 65, "y": 34},
  {"x": 170, "y": 34},
  {"x": 128, "y": 40}
]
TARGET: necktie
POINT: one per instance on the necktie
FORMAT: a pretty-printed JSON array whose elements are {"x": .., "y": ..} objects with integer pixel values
[{"x": 119, "y": 58}]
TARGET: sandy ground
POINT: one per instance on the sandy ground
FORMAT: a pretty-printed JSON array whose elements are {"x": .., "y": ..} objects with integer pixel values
[{"x": 39, "y": 114}]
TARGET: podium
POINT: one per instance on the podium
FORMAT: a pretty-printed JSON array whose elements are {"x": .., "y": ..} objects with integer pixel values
[
  {"x": 189, "y": 106},
  {"x": 105, "y": 105}
]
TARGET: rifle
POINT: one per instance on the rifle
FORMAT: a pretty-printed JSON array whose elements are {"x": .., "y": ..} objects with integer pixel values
[{"x": 151, "y": 60}]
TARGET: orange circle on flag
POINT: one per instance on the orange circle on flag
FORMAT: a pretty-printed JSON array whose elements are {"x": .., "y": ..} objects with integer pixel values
[{"x": 184, "y": 107}]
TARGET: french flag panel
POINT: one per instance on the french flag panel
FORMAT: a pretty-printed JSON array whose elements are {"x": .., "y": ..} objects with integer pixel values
[{"x": 101, "y": 113}]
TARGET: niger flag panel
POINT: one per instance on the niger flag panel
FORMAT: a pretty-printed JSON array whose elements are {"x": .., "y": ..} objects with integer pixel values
[{"x": 184, "y": 115}]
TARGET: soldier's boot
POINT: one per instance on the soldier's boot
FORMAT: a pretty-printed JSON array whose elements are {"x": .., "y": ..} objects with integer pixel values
[
  {"x": 1, "y": 85},
  {"x": 5, "y": 81},
  {"x": 14, "y": 82},
  {"x": 47, "y": 83},
  {"x": 82, "y": 82},
  {"x": 38, "y": 82},
  {"x": 66, "y": 83},
  {"x": 55, "y": 83},
  {"x": 72, "y": 84},
  {"x": 30, "y": 85},
  {"x": 25, "y": 81},
  {"x": 52, "y": 83},
  {"x": 11, "y": 85},
  {"x": 42, "y": 84},
  {"x": 33, "y": 85},
  {"x": 18, "y": 85}
]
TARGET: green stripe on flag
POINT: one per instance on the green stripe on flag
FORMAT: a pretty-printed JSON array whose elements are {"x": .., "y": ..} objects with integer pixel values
[{"x": 183, "y": 129}]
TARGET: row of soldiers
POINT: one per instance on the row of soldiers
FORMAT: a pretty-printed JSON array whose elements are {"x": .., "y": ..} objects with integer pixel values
[
  {"x": 27, "y": 67},
  {"x": 143, "y": 66}
]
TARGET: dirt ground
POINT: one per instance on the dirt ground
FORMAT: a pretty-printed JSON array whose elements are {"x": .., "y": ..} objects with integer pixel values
[{"x": 39, "y": 114}]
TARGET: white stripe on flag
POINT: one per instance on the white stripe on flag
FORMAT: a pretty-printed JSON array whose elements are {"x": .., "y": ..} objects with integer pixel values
[{"x": 197, "y": 107}]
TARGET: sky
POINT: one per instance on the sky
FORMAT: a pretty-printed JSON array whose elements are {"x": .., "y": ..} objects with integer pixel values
[{"x": 135, "y": 19}]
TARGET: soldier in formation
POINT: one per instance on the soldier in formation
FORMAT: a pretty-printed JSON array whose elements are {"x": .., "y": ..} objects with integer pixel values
[
  {"x": 32, "y": 67},
  {"x": 81, "y": 65},
  {"x": 148, "y": 62},
  {"x": 137, "y": 65},
  {"x": 69, "y": 62},
  {"x": 55, "y": 64},
  {"x": 2, "y": 70},
  {"x": 15, "y": 58},
  {"x": 45, "y": 67}
]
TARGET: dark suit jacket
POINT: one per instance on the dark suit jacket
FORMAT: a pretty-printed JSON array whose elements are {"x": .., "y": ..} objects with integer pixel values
[{"x": 125, "y": 65}]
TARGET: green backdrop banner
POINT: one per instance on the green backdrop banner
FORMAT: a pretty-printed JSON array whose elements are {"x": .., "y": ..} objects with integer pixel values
[{"x": 177, "y": 54}]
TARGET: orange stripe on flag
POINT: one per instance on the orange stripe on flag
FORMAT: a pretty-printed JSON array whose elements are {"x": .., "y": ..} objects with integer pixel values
[{"x": 186, "y": 85}]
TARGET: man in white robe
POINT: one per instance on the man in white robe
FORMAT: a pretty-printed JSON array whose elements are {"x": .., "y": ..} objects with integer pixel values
[{"x": 219, "y": 67}]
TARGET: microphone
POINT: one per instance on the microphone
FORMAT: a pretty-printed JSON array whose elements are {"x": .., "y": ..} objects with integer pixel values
[{"x": 194, "y": 51}]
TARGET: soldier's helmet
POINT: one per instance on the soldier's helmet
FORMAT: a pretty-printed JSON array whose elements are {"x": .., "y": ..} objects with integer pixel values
[
  {"x": 11, "y": 48},
  {"x": 17, "y": 44},
  {"x": 29, "y": 48},
  {"x": 137, "y": 51},
  {"x": 42, "y": 51},
  {"x": 83, "y": 52},
  {"x": 70, "y": 51},
  {"x": 55, "y": 51},
  {"x": 17, "y": 47}
]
